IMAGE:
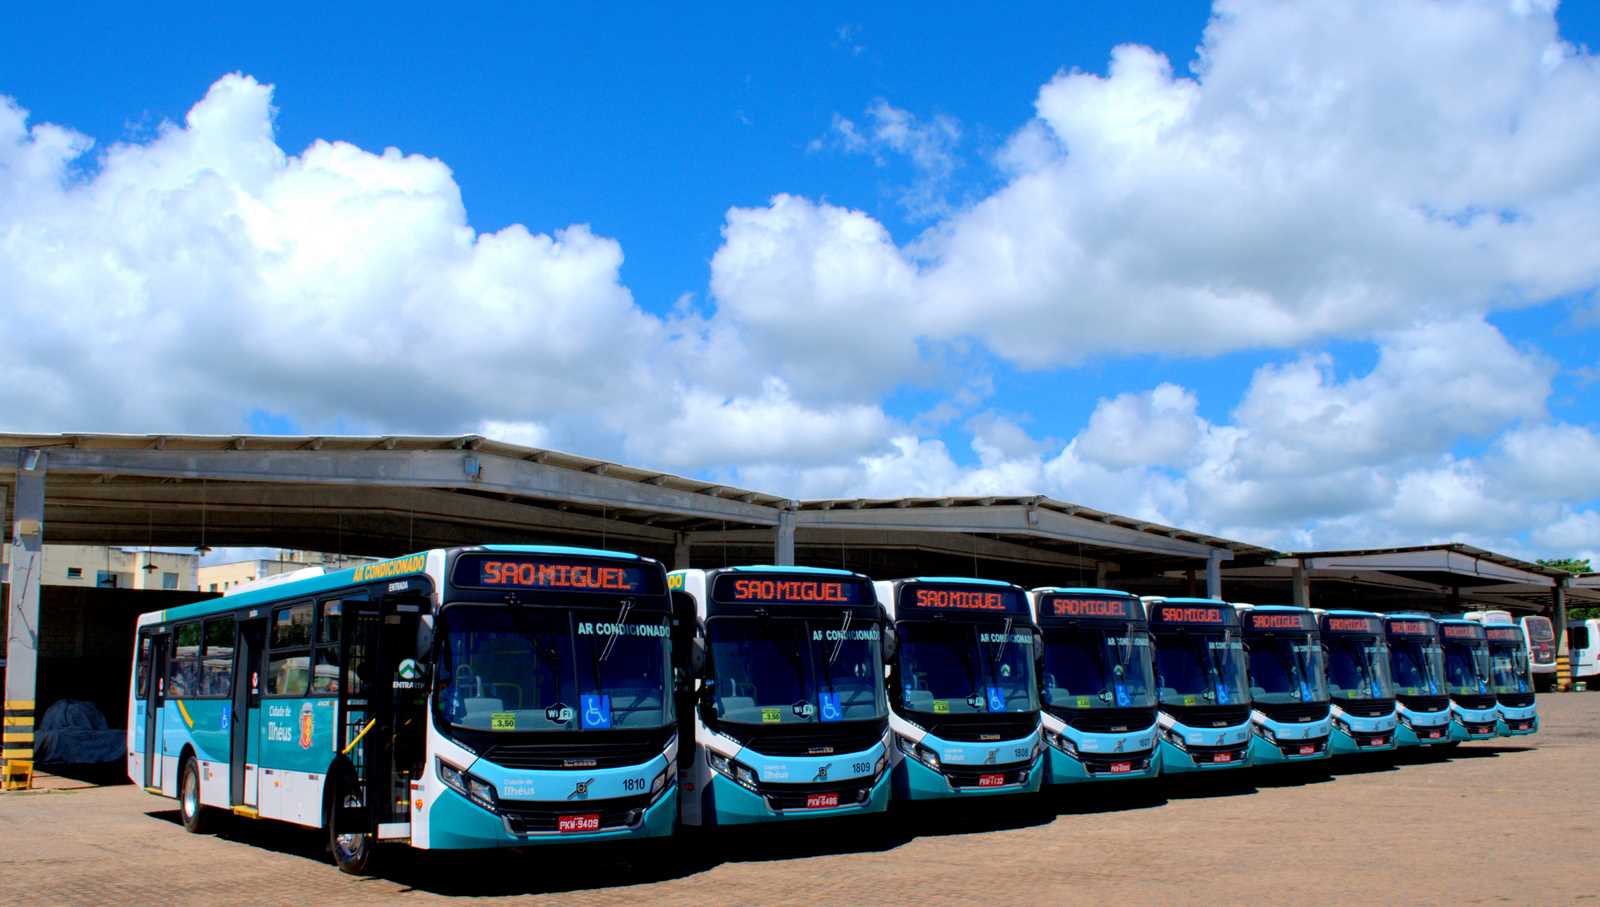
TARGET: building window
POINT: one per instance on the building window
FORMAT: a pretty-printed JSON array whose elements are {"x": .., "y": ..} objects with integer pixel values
[
  {"x": 169, "y": 580},
  {"x": 213, "y": 587},
  {"x": 74, "y": 573},
  {"x": 105, "y": 579}
]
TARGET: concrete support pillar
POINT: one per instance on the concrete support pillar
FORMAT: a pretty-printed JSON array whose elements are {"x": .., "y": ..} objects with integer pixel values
[
  {"x": 680, "y": 552},
  {"x": 22, "y": 617},
  {"x": 1302, "y": 585},
  {"x": 783, "y": 550},
  {"x": 1558, "y": 618},
  {"x": 1214, "y": 574},
  {"x": 1100, "y": 574}
]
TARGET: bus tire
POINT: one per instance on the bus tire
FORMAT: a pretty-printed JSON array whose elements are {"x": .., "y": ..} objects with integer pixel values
[
  {"x": 196, "y": 816},
  {"x": 352, "y": 852}
]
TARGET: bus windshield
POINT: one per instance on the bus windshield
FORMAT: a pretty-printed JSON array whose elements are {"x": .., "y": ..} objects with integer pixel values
[
  {"x": 961, "y": 667},
  {"x": 505, "y": 668},
  {"x": 784, "y": 670},
  {"x": 1286, "y": 668},
  {"x": 1098, "y": 667},
  {"x": 1358, "y": 668},
  {"x": 1418, "y": 665},
  {"x": 1466, "y": 667},
  {"x": 1509, "y": 663},
  {"x": 1199, "y": 668}
]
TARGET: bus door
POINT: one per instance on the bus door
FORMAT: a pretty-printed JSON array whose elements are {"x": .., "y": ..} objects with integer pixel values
[
  {"x": 381, "y": 704},
  {"x": 155, "y": 689},
  {"x": 246, "y": 701}
]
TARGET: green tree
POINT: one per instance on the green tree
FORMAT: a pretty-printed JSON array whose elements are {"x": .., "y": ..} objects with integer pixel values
[{"x": 1569, "y": 564}]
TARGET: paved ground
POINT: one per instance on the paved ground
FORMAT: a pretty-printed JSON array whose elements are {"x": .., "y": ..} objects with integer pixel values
[{"x": 1493, "y": 822}]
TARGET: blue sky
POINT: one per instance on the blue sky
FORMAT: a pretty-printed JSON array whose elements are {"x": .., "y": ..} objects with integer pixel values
[{"x": 651, "y": 125}]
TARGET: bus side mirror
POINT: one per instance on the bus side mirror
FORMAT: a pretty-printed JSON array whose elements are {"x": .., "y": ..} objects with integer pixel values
[
  {"x": 697, "y": 651},
  {"x": 891, "y": 645},
  {"x": 1038, "y": 647},
  {"x": 425, "y": 639}
]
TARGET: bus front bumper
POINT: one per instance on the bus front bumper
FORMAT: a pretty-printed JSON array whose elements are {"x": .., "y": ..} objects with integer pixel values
[
  {"x": 455, "y": 823},
  {"x": 914, "y": 780},
  {"x": 1211, "y": 759},
  {"x": 1517, "y": 722},
  {"x": 733, "y": 804},
  {"x": 1063, "y": 768},
  {"x": 1414, "y": 733}
]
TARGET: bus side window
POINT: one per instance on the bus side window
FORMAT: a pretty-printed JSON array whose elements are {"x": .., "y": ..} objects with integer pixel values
[
  {"x": 183, "y": 668},
  {"x": 325, "y": 675},
  {"x": 289, "y": 664},
  {"x": 217, "y": 664},
  {"x": 141, "y": 668}
]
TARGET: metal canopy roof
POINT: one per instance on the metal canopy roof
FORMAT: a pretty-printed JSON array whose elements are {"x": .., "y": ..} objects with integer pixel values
[
  {"x": 319, "y": 492},
  {"x": 1451, "y": 574}
]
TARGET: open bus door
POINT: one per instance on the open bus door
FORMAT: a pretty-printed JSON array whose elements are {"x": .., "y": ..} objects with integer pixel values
[
  {"x": 155, "y": 688},
  {"x": 380, "y": 726},
  {"x": 245, "y": 712}
]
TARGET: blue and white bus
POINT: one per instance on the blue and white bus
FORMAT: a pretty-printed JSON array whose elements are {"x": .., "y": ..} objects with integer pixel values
[
  {"x": 1290, "y": 709},
  {"x": 1096, "y": 685},
  {"x": 1513, "y": 681},
  {"x": 963, "y": 688},
  {"x": 1422, "y": 702},
  {"x": 1359, "y": 682},
  {"x": 788, "y": 717},
  {"x": 1474, "y": 714},
  {"x": 495, "y": 696},
  {"x": 1202, "y": 691}
]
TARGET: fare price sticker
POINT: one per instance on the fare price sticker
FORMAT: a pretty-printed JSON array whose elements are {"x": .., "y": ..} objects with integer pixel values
[{"x": 502, "y": 721}]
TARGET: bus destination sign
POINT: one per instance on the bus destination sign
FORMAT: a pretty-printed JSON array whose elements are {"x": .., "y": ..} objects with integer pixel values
[
  {"x": 791, "y": 589},
  {"x": 1352, "y": 625},
  {"x": 1216, "y": 615},
  {"x": 1505, "y": 634},
  {"x": 1462, "y": 631},
  {"x": 1270, "y": 620},
  {"x": 954, "y": 597},
  {"x": 1054, "y": 605},
  {"x": 1411, "y": 627},
  {"x": 550, "y": 574}
]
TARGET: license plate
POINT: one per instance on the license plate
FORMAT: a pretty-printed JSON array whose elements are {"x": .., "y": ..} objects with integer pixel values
[
  {"x": 1306, "y": 750},
  {"x": 822, "y": 801},
  {"x": 1435, "y": 735},
  {"x": 586, "y": 822},
  {"x": 1375, "y": 741},
  {"x": 991, "y": 780},
  {"x": 1120, "y": 768},
  {"x": 1222, "y": 757}
]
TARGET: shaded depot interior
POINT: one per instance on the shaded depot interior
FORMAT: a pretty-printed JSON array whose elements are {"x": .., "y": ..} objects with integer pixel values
[{"x": 389, "y": 495}]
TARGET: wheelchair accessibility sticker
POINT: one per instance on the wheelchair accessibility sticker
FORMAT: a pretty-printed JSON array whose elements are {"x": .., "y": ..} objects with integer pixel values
[
  {"x": 828, "y": 705},
  {"x": 997, "y": 700},
  {"x": 595, "y": 709}
]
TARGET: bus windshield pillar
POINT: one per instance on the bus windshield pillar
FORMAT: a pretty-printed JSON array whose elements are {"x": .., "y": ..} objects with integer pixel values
[
  {"x": 783, "y": 553},
  {"x": 22, "y": 617}
]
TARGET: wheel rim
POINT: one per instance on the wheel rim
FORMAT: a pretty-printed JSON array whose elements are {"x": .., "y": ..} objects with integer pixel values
[
  {"x": 191, "y": 793},
  {"x": 350, "y": 845}
]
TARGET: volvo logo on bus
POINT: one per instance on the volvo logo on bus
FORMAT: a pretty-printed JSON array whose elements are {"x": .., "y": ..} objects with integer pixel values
[
  {"x": 581, "y": 791},
  {"x": 822, "y": 773}
]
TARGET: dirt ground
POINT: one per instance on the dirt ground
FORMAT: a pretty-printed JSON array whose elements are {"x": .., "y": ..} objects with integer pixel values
[{"x": 1489, "y": 822}]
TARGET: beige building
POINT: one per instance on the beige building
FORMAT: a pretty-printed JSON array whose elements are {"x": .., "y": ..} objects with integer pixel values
[
  {"x": 223, "y": 577},
  {"x": 101, "y": 567}
]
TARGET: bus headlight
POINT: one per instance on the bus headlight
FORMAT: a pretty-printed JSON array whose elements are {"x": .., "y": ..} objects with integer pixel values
[
  {"x": 1174, "y": 738},
  {"x": 918, "y": 752},
  {"x": 1063, "y": 743},
  {"x": 662, "y": 781},
  {"x": 468, "y": 785},
  {"x": 733, "y": 770},
  {"x": 882, "y": 764}
]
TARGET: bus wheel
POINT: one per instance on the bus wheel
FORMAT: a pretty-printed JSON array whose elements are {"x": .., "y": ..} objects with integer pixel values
[
  {"x": 352, "y": 850},
  {"x": 196, "y": 817}
]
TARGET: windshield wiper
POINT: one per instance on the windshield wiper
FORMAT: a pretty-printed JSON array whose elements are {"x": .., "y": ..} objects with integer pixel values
[
  {"x": 839, "y": 644},
  {"x": 616, "y": 630}
]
